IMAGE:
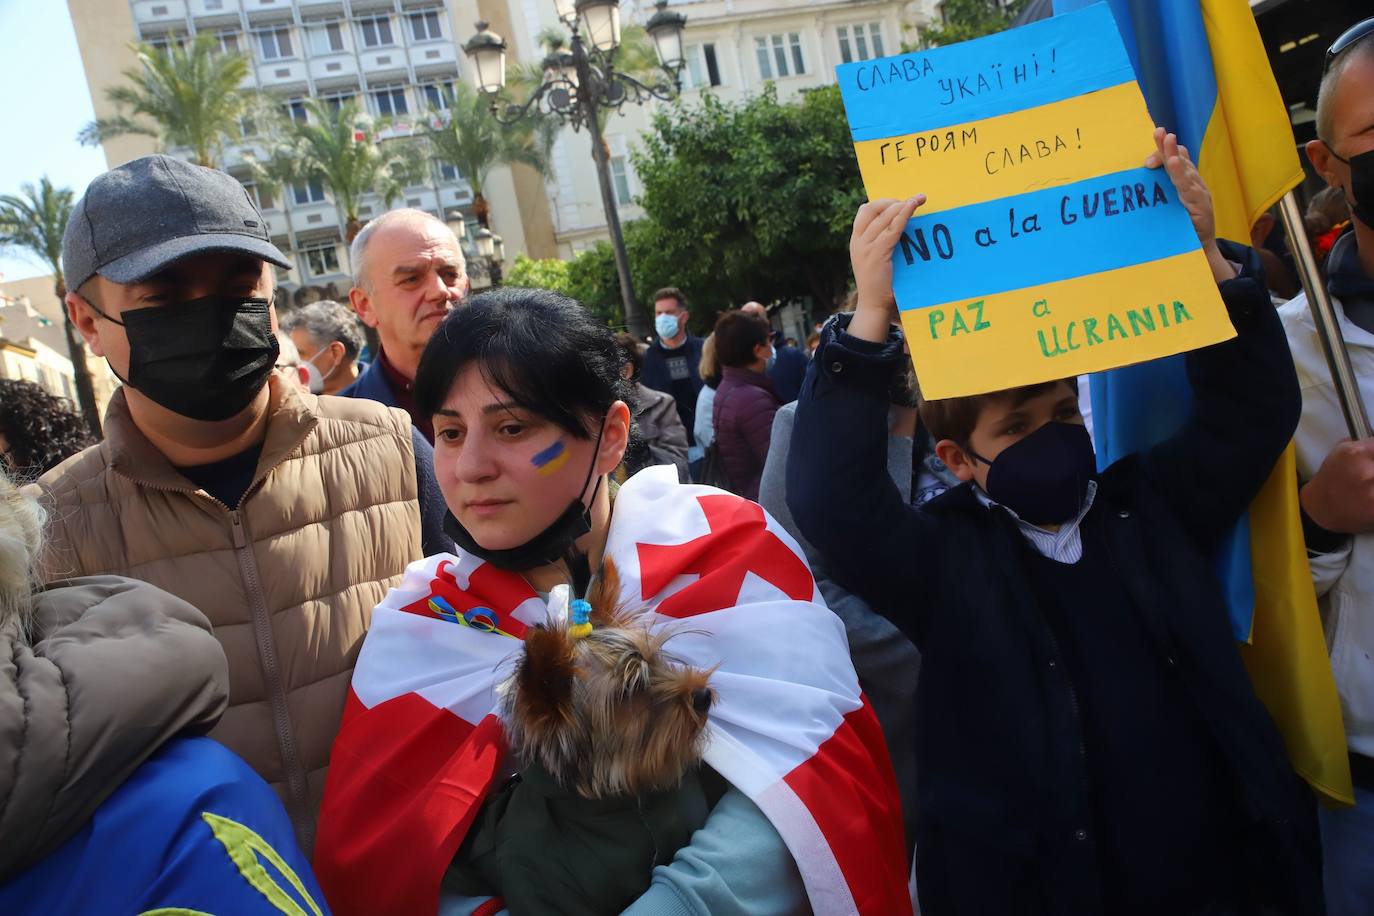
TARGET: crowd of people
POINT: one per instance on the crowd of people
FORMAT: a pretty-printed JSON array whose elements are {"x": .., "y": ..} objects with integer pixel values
[{"x": 271, "y": 642}]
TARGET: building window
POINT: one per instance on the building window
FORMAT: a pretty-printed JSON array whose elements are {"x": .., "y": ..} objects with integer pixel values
[
  {"x": 438, "y": 96},
  {"x": 165, "y": 43},
  {"x": 295, "y": 110},
  {"x": 702, "y": 67},
  {"x": 247, "y": 126},
  {"x": 322, "y": 260},
  {"x": 376, "y": 32},
  {"x": 860, "y": 42},
  {"x": 448, "y": 172},
  {"x": 338, "y": 100},
  {"x": 228, "y": 42},
  {"x": 275, "y": 44},
  {"x": 620, "y": 177},
  {"x": 774, "y": 57},
  {"x": 307, "y": 192},
  {"x": 327, "y": 38},
  {"x": 425, "y": 26},
  {"x": 214, "y": 4},
  {"x": 255, "y": 194},
  {"x": 391, "y": 101}
]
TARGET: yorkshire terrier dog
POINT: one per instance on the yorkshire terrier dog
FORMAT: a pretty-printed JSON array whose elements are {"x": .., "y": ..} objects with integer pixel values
[{"x": 608, "y": 729}]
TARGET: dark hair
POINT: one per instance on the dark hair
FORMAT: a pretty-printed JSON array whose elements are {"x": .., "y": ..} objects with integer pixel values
[
  {"x": 955, "y": 418},
  {"x": 42, "y": 430},
  {"x": 629, "y": 349},
  {"x": 737, "y": 334},
  {"x": 542, "y": 348},
  {"x": 671, "y": 292}
]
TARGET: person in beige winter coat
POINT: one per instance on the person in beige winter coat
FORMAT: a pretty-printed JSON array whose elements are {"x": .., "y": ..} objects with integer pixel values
[{"x": 283, "y": 517}]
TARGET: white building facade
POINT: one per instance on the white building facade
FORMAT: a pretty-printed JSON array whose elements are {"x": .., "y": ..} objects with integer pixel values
[{"x": 394, "y": 59}]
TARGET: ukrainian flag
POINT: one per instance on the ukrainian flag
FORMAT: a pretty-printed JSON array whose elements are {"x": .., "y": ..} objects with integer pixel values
[{"x": 1205, "y": 76}]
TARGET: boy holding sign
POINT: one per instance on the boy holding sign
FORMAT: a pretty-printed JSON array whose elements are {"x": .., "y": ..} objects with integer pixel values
[{"x": 1090, "y": 741}]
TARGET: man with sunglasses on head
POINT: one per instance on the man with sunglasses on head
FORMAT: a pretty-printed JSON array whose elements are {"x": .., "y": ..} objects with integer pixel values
[
  {"x": 283, "y": 517},
  {"x": 1337, "y": 495}
]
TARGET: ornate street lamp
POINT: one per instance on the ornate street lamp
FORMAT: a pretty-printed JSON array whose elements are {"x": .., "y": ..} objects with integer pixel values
[
  {"x": 600, "y": 21},
  {"x": 488, "y": 53},
  {"x": 458, "y": 223},
  {"x": 491, "y": 251},
  {"x": 578, "y": 86},
  {"x": 666, "y": 28},
  {"x": 485, "y": 241}
]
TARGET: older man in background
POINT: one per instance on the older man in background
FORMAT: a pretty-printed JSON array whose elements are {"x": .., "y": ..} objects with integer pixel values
[{"x": 408, "y": 272}]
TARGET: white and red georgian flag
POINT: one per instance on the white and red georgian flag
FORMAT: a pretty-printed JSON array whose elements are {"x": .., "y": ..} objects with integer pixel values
[{"x": 421, "y": 743}]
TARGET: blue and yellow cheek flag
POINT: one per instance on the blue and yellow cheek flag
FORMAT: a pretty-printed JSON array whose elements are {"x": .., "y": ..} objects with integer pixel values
[
  {"x": 1205, "y": 76},
  {"x": 1045, "y": 249}
]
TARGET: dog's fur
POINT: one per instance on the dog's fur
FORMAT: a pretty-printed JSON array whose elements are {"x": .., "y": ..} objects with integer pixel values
[{"x": 611, "y": 713}]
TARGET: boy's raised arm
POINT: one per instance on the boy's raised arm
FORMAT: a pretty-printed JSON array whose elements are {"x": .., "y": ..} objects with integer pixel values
[
  {"x": 838, "y": 487},
  {"x": 1246, "y": 399}
]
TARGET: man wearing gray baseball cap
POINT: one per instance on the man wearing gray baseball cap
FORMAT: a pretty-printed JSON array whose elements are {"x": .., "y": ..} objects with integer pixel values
[{"x": 283, "y": 517}]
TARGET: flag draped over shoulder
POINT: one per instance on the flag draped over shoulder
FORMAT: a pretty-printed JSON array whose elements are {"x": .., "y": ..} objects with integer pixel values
[
  {"x": 422, "y": 745},
  {"x": 1205, "y": 76}
]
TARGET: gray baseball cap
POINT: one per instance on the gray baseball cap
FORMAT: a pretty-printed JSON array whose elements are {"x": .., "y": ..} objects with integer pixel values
[{"x": 136, "y": 219}]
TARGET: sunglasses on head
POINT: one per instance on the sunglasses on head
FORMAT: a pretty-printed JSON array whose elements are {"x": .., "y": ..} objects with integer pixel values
[{"x": 1346, "y": 39}]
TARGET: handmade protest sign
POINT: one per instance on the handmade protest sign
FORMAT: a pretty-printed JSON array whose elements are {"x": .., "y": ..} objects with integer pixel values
[{"x": 1045, "y": 249}]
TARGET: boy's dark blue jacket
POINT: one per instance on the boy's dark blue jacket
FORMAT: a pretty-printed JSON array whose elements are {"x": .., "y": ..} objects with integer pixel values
[{"x": 1004, "y": 814}]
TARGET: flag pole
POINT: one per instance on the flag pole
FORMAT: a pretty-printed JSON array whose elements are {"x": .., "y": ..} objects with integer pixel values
[{"x": 1324, "y": 317}]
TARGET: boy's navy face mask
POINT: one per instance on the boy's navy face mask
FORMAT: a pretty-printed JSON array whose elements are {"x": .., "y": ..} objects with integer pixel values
[{"x": 1044, "y": 477}]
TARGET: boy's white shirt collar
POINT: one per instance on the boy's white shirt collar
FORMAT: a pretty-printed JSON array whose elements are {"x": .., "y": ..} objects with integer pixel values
[{"x": 1064, "y": 545}]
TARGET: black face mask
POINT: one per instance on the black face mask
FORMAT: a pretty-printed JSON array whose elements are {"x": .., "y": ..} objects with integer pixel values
[
  {"x": 205, "y": 358},
  {"x": 1360, "y": 196},
  {"x": 1044, "y": 477},
  {"x": 548, "y": 546}
]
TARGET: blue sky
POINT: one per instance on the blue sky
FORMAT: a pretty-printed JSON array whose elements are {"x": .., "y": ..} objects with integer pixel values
[{"x": 43, "y": 104}]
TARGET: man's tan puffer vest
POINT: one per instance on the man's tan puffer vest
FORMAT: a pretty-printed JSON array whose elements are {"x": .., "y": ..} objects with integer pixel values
[{"x": 288, "y": 580}]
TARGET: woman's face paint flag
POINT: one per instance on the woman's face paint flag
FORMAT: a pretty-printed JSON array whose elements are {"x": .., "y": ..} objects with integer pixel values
[
  {"x": 1045, "y": 249},
  {"x": 422, "y": 744}
]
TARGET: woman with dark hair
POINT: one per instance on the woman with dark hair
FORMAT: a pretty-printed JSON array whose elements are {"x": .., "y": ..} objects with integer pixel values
[
  {"x": 531, "y": 418},
  {"x": 745, "y": 400},
  {"x": 37, "y": 430}
]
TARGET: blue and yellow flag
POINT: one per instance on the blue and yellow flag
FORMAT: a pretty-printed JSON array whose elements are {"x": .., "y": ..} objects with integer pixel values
[{"x": 1205, "y": 76}]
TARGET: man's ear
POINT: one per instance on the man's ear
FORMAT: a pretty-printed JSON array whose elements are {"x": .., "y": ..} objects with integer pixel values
[
  {"x": 362, "y": 305},
  {"x": 84, "y": 319},
  {"x": 1319, "y": 154},
  {"x": 958, "y": 461}
]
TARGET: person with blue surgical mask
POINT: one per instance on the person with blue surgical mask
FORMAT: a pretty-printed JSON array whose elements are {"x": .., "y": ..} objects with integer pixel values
[{"x": 671, "y": 364}]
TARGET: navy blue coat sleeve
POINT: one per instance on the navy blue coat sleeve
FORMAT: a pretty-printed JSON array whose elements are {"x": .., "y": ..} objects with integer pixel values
[
  {"x": 432, "y": 508},
  {"x": 838, "y": 488},
  {"x": 1246, "y": 406}
]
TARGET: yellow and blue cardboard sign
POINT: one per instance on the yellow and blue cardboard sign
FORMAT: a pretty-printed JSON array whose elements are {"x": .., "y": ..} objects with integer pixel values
[{"x": 1045, "y": 249}]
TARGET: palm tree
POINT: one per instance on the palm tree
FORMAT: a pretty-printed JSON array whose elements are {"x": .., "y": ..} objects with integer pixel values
[
  {"x": 34, "y": 221},
  {"x": 342, "y": 150},
  {"x": 474, "y": 143},
  {"x": 184, "y": 96}
]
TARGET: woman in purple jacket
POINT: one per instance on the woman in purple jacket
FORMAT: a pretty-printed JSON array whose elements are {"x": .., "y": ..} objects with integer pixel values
[{"x": 745, "y": 400}]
